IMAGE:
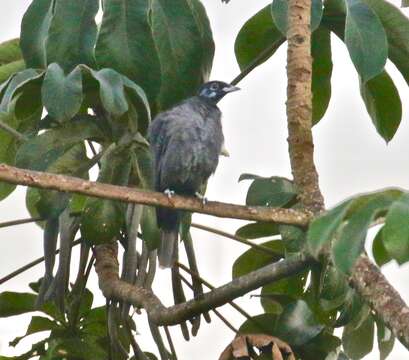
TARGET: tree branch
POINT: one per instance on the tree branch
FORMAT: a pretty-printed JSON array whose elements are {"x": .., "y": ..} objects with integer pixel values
[
  {"x": 45, "y": 180},
  {"x": 112, "y": 287}
]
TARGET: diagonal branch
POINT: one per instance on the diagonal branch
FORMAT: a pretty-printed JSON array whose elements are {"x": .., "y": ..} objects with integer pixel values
[
  {"x": 64, "y": 183},
  {"x": 112, "y": 287}
]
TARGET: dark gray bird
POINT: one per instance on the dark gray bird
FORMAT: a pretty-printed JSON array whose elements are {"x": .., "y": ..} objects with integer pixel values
[{"x": 186, "y": 142}]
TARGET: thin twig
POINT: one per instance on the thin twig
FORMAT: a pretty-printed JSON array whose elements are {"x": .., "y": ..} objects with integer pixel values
[
  {"x": 20, "y": 221},
  {"x": 30, "y": 265},
  {"x": 170, "y": 342},
  {"x": 234, "y": 237},
  {"x": 13, "y": 132}
]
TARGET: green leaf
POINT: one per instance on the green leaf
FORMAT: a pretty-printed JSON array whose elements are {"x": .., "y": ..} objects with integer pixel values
[
  {"x": 320, "y": 347},
  {"x": 396, "y": 230},
  {"x": 37, "y": 324},
  {"x": 13, "y": 303},
  {"x": 379, "y": 252},
  {"x": 359, "y": 342},
  {"x": 279, "y": 11},
  {"x": 396, "y": 26},
  {"x": 41, "y": 151},
  {"x": 72, "y": 34},
  {"x": 254, "y": 259},
  {"x": 185, "y": 58},
  {"x": 259, "y": 324},
  {"x": 8, "y": 70},
  {"x": 257, "y": 230},
  {"x": 351, "y": 240},
  {"x": 102, "y": 220},
  {"x": 62, "y": 95},
  {"x": 77, "y": 348},
  {"x": 365, "y": 39},
  {"x": 275, "y": 192},
  {"x": 297, "y": 324},
  {"x": 386, "y": 340},
  {"x": 321, "y": 72},
  {"x": 34, "y": 32},
  {"x": 10, "y": 51},
  {"x": 125, "y": 43},
  {"x": 259, "y": 35},
  {"x": 280, "y": 293},
  {"x": 334, "y": 288},
  {"x": 323, "y": 228},
  {"x": 383, "y": 104},
  {"x": 354, "y": 311}
]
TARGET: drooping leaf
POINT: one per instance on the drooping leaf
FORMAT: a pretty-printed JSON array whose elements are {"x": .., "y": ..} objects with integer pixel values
[
  {"x": 386, "y": 340},
  {"x": 354, "y": 311},
  {"x": 259, "y": 324},
  {"x": 185, "y": 59},
  {"x": 357, "y": 342},
  {"x": 34, "y": 32},
  {"x": 334, "y": 288},
  {"x": 379, "y": 252},
  {"x": 323, "y": 228},
  {"x": 62, "y": 95},
  {"x": 259, "y": 35},
  {"x": 383, "y": 104},
  {"x": 41, "y": 151},
  {"x": 13, "y": 303},
  {"x": 279, "y": 10},
  {"x": 351, "y": 240},
  {"x": 297, "y": 324},
  {"x": 275, "y": 192},
  {"x": 320, "y": 347},
  {"x": 396, "y": 230},
  {"x": 254, "y": 259},
  {"x": 321, "y": 72},
  {"x": 8, "y": 70},
  {"x": 72, "y": 34},
  {"x": 257, "y": 230},
  {"x": 102, "y": 219},
  {"x": 125, "y": 43},
  {"x": 10, "y": 51},
  {"x": 365, "y": 39}
]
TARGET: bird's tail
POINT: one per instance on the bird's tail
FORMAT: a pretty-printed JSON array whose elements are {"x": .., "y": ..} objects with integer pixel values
[{"x": 168, "y": 222}]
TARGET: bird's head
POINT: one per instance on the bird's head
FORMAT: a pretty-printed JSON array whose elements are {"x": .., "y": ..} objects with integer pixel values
[{"x": 215, "y": 90}]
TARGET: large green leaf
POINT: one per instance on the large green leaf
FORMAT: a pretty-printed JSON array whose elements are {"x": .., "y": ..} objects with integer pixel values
[
  {"x": 62, "y": 95},
  {"x": 383, "y": 104},
  {"x": 350, "y": 242},
  {"x": 275, "y": 192},
  {"x": 333, "y": 288},
  {"x": 72, "y": 34},
  {"x": 396, "y": 26},
  {"x": 357, "y": 342},
  {"x": 258, "y": 230},
  {"x": 396, "y": 230},
  {"x": 297, "y": 324},
  {"x": 34, "y": 32},
  {"x": 365, "y": 39},
  {"x": 259, "y": 324},
  {"x": 9, "y": 69},
  {"x": 279, "y": 10},
  {"x": 185, "y": 58},
  {"x": 379, "y": 252},
  {"x": 13, "y": 303},
  {"x": 37, "y": 324},
  {"x": 258, "y": 35},
  {"x": 41, "y": 151},
  {"x": 102, "y": 220},
  {"x": 321, "y": 72},
  {"x": 10, "y": 51},
  {"x": 254, "y": 259},
  {"x": 323, "y": 228},
  {"x": 125, "y": 43}
]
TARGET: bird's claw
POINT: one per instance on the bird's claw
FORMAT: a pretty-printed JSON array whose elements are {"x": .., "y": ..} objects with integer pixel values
[
  {"x": 201, "y": 197},
  {"x": 169, "y": 193}
]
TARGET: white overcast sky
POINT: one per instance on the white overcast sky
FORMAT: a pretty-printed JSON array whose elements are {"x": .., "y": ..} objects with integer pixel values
[{"x": 350, "y": 156}]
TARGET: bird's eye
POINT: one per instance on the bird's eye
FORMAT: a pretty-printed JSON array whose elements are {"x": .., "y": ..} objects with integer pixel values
[{"x": 214, "y": 87}]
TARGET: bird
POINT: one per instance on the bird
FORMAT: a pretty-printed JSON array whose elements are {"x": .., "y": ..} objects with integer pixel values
[{"x": 185, "y": 141}]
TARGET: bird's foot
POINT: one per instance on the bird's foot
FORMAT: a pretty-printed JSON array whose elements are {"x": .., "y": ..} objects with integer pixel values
[
  {"x": 201, "y": 197},
  {"x": 169, "y": 193}
]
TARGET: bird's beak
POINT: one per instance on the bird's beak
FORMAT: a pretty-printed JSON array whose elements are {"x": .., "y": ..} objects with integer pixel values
[{"x": 230, "y": 88}]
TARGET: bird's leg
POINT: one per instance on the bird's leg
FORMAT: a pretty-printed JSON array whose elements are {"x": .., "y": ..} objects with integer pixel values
[
  {"x": 169, "y": 193},
  {"x": 201, "y": 197}
]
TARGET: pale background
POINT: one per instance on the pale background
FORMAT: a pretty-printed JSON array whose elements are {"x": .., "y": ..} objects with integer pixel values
[{"x": 351, "y": 158}]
